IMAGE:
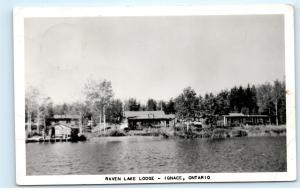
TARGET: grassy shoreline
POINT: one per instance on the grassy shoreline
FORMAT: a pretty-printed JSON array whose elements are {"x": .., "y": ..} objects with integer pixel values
[{"x": 212, "y": 133}]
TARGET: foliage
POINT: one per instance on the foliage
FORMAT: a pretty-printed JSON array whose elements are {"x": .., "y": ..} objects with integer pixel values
[
  {"x": 98, "y": 96},
  {"x": 271, "y": 100},
  {"x": 170, "y": 107},
  {"x": 98, "y": 93},
  {"x": 115, "y": 112},
  {"x": 264, "y": 97},
  {"x": 132, "y": 105},
  {"x": 187, "y": 104},
  {"x": 267, "y": 98},
  {"x": 151, "y": 105},
  {"x": 37, "y": 109}
]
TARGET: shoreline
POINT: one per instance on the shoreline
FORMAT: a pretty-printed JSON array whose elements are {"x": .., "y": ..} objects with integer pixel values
[
  {"x": 210, "y": 133},
  {"x": 192, "y": 133}
]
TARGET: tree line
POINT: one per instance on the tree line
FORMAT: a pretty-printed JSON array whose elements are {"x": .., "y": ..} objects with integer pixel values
[
  {"x": 265, "y": 99},
  {"x": 100, "y": 106}
]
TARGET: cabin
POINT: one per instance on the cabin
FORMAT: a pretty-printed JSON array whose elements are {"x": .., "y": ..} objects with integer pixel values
[
  {"x": 64, "y": 126},
  {"x": 72, "y": 120},
  {"x": 60, "y": 131},
  {"x": 148, "y": 119},
  {"x": 240, "y": 119}
]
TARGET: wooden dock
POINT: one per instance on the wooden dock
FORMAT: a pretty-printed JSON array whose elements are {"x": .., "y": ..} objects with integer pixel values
[{"x": 47, "y": 140}]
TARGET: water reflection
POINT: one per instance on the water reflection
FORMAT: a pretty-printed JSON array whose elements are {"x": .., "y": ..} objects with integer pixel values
[{"x": 134, "y": 155}]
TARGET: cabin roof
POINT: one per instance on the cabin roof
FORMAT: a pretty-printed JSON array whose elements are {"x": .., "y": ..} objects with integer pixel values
[
  {"x": 66, "y": 117},
  {"x": 236, "y": 114},
  {"x": 243, "y": 115},
  {"x": 148, "y": 115},
  {"x": 64, "y": 127}
]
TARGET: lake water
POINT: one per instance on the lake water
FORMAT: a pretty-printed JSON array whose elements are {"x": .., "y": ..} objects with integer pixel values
[{"x": 133, "y": 155}]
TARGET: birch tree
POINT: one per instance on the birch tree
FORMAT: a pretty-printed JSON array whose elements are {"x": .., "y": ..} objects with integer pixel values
[
  {"x": 278, "y": 92},
  {"x": 31, "y": 105},
  {"x": 264, "y": 98},
  {"x": 99, "y": 95},
  {"x": 187, "y": 105}
]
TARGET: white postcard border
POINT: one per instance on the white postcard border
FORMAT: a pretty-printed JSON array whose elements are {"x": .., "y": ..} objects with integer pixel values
[{"x": 26, "y": 12}]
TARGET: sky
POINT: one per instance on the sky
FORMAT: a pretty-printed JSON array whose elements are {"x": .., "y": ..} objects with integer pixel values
[{"x": 152, "y": 57}]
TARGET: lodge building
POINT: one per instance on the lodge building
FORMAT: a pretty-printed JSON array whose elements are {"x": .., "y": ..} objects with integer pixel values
[
  {"x": 64, "y": 126},
  {"x": 152, "y": 119},
  {"x": 240, "y": 119}
]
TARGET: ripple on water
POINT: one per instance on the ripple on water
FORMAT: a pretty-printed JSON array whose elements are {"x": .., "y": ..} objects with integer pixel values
[{"x": 156, "y": 155}]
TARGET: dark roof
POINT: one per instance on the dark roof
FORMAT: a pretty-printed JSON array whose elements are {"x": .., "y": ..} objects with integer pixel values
[
  {"x": 236, "y": 114},
  {"x": 147, "y": 115},
  {"x": 65, "y": 127},
  {"x": 243, "y": 115},
  {"x": 66, "y": 117}
]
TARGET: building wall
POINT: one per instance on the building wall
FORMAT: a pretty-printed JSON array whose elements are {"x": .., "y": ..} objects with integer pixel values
[
  {"x": 154, "y": 123},
  {"x": 234, "y": 121}
]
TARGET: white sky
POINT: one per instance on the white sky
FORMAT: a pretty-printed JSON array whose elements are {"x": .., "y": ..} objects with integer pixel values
[{"x": 152, "y": 57}]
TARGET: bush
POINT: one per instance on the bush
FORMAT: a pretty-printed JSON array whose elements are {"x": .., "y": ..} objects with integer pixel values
[
  {"x": 33, "y": 133},
  {"x": 205, "y": 134},
  {"x": 116, "y": 133},
  {"x": 239, "y": 133},
  {"x": 220, "y": 134}
]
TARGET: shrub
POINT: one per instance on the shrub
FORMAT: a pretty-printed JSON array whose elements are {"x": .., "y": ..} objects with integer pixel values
[
  {"x": 220, "y": 134},
  {"x": 239, "y": 133},
  {"x": 116, "y": 133}
]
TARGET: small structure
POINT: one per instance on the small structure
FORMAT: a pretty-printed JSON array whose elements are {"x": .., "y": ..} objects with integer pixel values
[
  {"x": 61, "y": 132},
  {"x": 63, "y": 126},
  {"x": 65, "y": 119},
  {"x": 237, "y": 119},
  {"x": 152, "y": 119}
]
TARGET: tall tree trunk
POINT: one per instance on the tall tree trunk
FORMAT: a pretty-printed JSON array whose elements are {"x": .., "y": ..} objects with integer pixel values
[
  {"x": 80, "y": 124},
  {"x": 28, "y": 122},
  {"x": 104, "y": 118},
  {"x": 276, "y": 110},
  {"x": 44, "y": 130},
  {"x": 38, "y": 120},
  {"x": 187, "y": 126},
  {"x": 100, "y": 119}
]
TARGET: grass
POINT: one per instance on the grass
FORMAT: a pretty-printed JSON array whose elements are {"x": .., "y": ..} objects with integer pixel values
[
  {"x": 264, "y": 130},
  {"x": 107, "y": 133},
  {"x": 180, "y": 131},
  {"x": 227, "y": 132},
  {"x": 163, "y": 131}
]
